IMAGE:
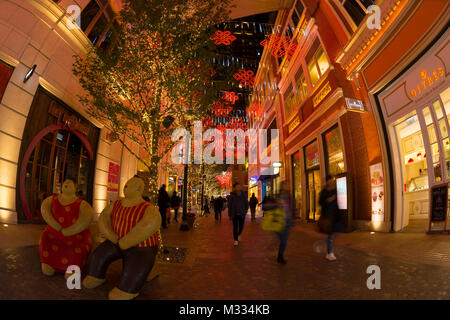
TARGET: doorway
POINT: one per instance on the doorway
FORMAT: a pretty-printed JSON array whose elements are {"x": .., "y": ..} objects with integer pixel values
[{"x": 312, "y": 193}]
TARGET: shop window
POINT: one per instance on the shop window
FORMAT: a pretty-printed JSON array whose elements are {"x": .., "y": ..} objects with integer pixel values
[
  {"x": 312, "y": 155},
  {"x": 98, "y": 29},
  {"x": 302, "y": 87},
  {"x": 297, "y": 181},
  {"x": 289, "y": 101},
  {"x": 317, "y": 62},
  {"x": 412, "y": 150},
  {"x": 356, "y": 9},
  {"x": 88, "y": 14},
  {"x": 434, "y": 144},
  {"x": 334, "y": 155},
  {"x": 5, "y": 74}
]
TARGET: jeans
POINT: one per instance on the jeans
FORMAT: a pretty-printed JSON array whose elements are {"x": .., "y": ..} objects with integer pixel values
[
  {"x": 284, "y": 238},
  {"x": 253, "y": 212},
  {"x": 218, "y": 214},
  {"x": 330, "y": 240},
  {"x": 162, "y": 211},
  {"x": 238, "y": 225}
]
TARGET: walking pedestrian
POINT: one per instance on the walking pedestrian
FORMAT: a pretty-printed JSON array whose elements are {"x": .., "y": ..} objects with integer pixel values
[
  {"x": 252, "y": 204},
  {"x": 330, "y": 212},
  {"x": 267, "y": 204},
  {"x": 175, "y": 203},
  {"x": 218, "y": 207},
  {"x": 237, "y": 209},
  {"x": 163, "y": 204},
  {"x": 285, "y": 203},
  {"x": 206, "y": 206}
]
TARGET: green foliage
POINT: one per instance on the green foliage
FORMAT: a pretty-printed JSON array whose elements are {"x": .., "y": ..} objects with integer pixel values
[{"x": 159, "y": 69}]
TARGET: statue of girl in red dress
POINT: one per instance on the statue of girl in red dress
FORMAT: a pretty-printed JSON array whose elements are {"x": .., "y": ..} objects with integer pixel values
[{"x": 67, "y": 240}]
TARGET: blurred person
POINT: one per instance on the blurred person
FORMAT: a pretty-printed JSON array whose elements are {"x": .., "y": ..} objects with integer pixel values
[
  {"x": 285, "y": 203},
  {"x": 237, "y": 209},
  {"x": 218, "y": 207},
  {"x": 252, "y": 204},
  {"x": 163, "y": 204},
  {"x": 206, "y": 206},
  {"x": 175, "y": 201},
  {"x": 330, "y": 211}
]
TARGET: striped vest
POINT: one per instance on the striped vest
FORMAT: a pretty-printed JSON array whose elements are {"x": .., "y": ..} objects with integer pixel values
[{"x": 124, "y": 219}]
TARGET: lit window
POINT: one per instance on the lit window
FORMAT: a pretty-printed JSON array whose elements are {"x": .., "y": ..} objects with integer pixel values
[
  {"x": 356, "y": 9},
  {"x": 317, "y": 62}
]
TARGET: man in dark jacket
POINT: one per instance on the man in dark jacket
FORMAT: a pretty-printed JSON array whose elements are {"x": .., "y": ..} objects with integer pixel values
[
  {"x": 237, "y": 209},
  {"x": 218, "y": 207},
  {"x": 175, "y": 203},
  {"x": 330, "y": 211},
  {"x": 253, "y": 203},
  {"x": 163, "y": 204}
]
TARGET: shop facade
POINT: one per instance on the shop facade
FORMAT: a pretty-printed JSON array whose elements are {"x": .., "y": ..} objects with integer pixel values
[
  {"x": 416, "y": 112},
  {"x": 46, "y": 135}
]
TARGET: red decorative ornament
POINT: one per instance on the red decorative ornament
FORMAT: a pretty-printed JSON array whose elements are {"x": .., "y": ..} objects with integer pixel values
[
  {"x": 223, "y": 37},
  {"x": 230, "y": 96},
  {"x": 255, "y": 110},
  {"x": 279, "y": 45},
  {"x": 223, "y": 179},
  {"x": 221, "y": 109},
  {"x": 245, "y": 78}
]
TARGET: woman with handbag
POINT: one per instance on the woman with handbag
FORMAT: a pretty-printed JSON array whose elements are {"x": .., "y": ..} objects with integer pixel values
[{"x": 330, "y": 220}]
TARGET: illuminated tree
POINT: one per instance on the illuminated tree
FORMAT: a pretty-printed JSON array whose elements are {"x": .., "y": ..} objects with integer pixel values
[{"x": 156, "y": 77}]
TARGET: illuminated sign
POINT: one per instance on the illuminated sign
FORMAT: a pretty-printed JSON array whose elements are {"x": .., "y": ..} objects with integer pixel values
[
  {"x": 354, "y": 105},
  {"x": 427, "y": 81},
  {"x": 341, "y": 187},
  {"x": 294, "y": 124},
  {"x": 322, "y": 94}
]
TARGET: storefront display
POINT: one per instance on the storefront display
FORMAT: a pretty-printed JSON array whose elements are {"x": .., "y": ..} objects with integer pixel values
[
  {"x": 313, "y": 182},
  {"x": 334, "y": 156},
  {"x": 377, "y": 184},
  {"x": 416, "y": 109}
]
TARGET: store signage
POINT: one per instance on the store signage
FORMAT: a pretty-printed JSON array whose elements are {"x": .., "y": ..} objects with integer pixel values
[
  {"x": 69, "y": 120},
  {"x": 427, "y": 80},
  {"x": 377, "y": 183},
  {"x": 439, "y": 202},
  {"x": 354, "y": 105},
  {"x": 322, "y": 94},
  {"x": 294, "y": 124},
  {"x": 113, "y": 177}
]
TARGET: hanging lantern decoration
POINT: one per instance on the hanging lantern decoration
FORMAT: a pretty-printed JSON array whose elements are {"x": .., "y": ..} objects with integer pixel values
[
  {"x": 245, "y": 78},
  {"x": 223, "y": 37},
  {"x": 230, "y": 96},
  {"x": 255, "y": 111},
  {"x": 280, "y": 45},
  {"x": 221, "y": 109},
  {"x": 223, "y": 179}
]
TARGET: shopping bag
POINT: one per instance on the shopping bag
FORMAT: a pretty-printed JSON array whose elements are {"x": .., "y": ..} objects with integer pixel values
[
  {"x": 325, "y": 224},
  {"x": 274, "y": 220}
]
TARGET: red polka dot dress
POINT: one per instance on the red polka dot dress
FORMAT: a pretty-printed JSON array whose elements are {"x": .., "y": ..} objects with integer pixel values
[{"x": 59, "y": 251}]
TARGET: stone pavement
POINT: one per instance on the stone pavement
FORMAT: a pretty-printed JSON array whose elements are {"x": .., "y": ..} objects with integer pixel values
[{"x": 208, "y": 266}]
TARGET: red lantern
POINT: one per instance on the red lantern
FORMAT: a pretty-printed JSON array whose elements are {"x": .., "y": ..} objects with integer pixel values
[{"x": 245, "y": 78}]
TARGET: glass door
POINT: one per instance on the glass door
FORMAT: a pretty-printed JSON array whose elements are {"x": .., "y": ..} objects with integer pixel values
[{"x": 313, "y": 180}]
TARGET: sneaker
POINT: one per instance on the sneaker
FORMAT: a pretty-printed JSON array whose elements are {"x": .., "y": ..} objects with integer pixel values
[
  {"x": 330, "y": 257},
  {"x": 236, "y": 243}
]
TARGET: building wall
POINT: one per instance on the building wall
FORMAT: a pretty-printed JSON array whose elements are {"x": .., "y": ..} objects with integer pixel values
[{"x": 36, "y": 32}]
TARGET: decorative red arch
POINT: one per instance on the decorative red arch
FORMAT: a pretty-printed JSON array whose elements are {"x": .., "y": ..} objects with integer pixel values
[{"x": 33, "y": 144}]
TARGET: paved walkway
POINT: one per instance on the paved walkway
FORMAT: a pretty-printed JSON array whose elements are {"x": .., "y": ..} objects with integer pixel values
[{"x": 413, "y": 266}]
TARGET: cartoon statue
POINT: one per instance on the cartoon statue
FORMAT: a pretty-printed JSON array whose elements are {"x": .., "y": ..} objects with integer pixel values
[
  {"x": 67, "y": 240},
  {"x": 131, "y": 227}
]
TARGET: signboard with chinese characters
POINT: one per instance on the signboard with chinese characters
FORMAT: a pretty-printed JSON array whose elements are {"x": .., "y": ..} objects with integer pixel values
[
  {"x": 377, "y": 194},
  {"x": 113, "y": 177},
  {"x": 354, "y": 105},
  {"x": 439, "y": 202}
]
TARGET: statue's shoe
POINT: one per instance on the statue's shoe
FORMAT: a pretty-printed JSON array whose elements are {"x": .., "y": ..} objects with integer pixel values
[
  {"x": 154, "y": 273},
  {"x": 47, "y": 270},
  {"x": 117, "y": 294},
  {"x": 91, "y": 282}
]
